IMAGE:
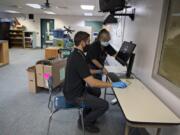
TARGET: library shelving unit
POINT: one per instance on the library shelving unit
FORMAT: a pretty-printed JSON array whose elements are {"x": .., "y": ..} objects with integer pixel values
[
  {"x": 16, "y": 38},
  {"x": 30, "y": 39}
]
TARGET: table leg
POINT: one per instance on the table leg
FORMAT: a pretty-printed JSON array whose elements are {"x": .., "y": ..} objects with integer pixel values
[
  {"x": 105, "y": 91},
  {"x": 158, "y": 131},
  {"x": 126, "y": 130}
]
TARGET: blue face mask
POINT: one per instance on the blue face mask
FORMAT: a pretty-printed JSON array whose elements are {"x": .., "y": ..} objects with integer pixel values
[{"x": 104, "y": 43}]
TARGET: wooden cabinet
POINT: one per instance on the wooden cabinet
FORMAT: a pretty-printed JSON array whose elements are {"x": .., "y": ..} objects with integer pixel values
[{"x": 4, "y": 52}]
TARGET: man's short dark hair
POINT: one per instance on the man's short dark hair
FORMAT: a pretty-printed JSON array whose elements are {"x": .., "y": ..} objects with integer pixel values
[
  {"x": 80, "y": 36},
  {"x": 103, "y": 31}
]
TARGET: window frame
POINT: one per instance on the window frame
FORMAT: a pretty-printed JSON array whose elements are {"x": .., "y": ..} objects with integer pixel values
[{"x": 163, "y": 81}]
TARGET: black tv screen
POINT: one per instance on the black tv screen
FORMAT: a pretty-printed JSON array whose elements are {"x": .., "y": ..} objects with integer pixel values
[
  {"x": 111, "y": 5},
  {"x": 4, "y": 30}
]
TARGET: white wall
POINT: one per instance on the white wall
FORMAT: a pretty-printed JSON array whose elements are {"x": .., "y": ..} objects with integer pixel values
[
  {"x": 144, "y": 32},
  {"x": 77, "y": 22}
]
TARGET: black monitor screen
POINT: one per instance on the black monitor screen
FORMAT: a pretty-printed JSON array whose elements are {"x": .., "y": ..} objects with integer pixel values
[
  {"x": 125, "y": 52},
  {"x": 111, "y": 5},
  {"x": 4, "y": 30}
]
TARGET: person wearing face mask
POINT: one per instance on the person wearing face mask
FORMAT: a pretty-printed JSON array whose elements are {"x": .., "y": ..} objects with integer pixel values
[
  {"x": 97, "y": 54},
  {"x": 77, "y": 77}
]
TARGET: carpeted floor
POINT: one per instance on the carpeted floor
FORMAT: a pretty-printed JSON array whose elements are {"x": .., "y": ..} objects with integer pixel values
[{"x": 23, "y": 113}]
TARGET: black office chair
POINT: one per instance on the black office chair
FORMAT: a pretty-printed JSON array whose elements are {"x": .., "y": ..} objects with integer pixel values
[{"x": 57, "y": 103}]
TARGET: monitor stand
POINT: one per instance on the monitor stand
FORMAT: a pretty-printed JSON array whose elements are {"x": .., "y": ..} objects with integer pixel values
[{"x": 128, "y": 73}]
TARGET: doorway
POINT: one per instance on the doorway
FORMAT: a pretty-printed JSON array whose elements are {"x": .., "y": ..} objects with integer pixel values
[{"x": 47, "y": 27}]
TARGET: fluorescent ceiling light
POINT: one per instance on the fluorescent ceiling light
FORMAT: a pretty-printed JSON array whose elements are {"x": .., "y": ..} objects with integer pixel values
[
  {"x": 87, "y": 7},
  {"x": 37, "y": 6},
  {"x": 49, "y": 12},
  {"x": 11, "y": 11},
  {"x": 88, "y": 14}
]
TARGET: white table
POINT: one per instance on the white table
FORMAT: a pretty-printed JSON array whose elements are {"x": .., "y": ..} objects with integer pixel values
[{"x": 141, "y": 107}]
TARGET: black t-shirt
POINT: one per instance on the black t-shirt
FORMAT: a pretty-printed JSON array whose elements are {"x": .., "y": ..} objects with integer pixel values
[
  {"x": 96, "y": 51},
  {"x": 76, "y": 70}
]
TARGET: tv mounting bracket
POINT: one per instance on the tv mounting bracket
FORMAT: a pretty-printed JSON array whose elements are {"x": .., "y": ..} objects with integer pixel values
[{"x": 131, "y": 15}]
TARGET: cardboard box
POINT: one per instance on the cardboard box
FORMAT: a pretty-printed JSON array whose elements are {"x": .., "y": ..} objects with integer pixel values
[
  {"x": 55, "y": 67},
  {"x": 32, "y": 79},
  {"x": 39, "y": 74},
  {"x": 52, "y": 52}
]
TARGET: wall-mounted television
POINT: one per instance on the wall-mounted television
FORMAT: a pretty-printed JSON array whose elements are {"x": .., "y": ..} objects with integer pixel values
[
  {"x": 4, "y": 30},
  {"x": 111, "y": 5}
]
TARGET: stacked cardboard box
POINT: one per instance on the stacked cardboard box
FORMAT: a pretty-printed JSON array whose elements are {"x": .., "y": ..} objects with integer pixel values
[
  {"x": 55, "y": 67},
  {"x": 52, "y": 52},
  {"x": 32, "y": 79}
]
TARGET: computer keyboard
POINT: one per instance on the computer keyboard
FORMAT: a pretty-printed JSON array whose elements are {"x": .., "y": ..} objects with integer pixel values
[{"x": 113, "y": 77}]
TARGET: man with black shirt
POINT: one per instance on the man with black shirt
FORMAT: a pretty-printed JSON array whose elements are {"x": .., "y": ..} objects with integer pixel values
[
  {"x": 97, "y": 54},
  {"x": 78, "y": 76}
]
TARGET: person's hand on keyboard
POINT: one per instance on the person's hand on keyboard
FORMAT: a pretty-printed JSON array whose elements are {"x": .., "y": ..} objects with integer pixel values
[{"x": 119, "y": 84}]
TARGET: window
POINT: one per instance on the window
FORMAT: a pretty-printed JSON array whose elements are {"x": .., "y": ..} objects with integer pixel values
[{"x": 167, "y": 63}]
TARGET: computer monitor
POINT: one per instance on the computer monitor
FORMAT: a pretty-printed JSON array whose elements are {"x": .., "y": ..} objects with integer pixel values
[
  {"x": 125, "y": 52},
  {"x": 126, "y": 57}
]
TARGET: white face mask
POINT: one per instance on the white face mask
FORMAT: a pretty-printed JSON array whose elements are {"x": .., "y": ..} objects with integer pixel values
[{"x": 104, "y": 43}]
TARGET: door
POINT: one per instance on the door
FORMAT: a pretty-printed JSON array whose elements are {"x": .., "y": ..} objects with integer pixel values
[{"x": 47, "y": 27}]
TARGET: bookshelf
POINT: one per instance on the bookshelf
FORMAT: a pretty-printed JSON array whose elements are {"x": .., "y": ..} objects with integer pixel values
[
  {"x": 30, "y": 39},
  {"x": 16, "y": 38}
]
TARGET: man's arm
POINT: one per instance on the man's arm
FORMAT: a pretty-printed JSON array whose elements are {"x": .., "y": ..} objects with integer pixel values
[
  {"x": 100, "y": 66},
  {"x": 96, "y": 71},
  {"x": 111, "y": 51},
  {"x": 97, "y": 83},
  {"x": 97, "y": 63}
]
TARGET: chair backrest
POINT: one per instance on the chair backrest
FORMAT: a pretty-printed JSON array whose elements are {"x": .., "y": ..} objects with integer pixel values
[{"x": 59, "y": 102}]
